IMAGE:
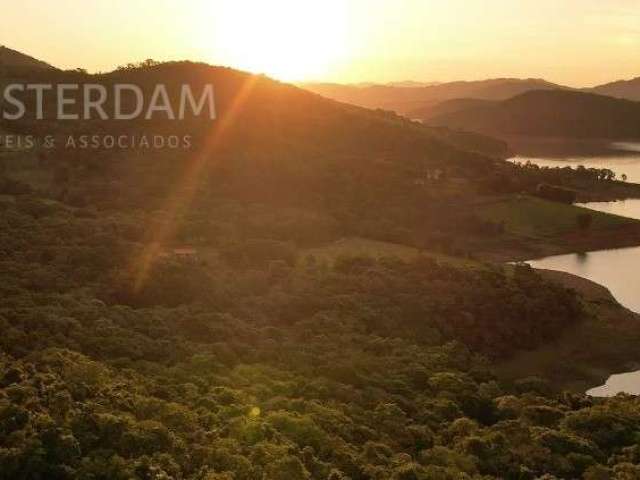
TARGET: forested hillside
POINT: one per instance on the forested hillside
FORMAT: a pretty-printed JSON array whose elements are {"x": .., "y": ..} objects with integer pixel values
[
  {"x": 11, "y": 58},
  {"x": 259, "y": 363},
  {"x": 556, "y": 113},
  {"x": 168, "y": 314}
]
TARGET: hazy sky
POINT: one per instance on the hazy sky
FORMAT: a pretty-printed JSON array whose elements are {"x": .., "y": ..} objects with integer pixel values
[{"x": 576, "y": 42}]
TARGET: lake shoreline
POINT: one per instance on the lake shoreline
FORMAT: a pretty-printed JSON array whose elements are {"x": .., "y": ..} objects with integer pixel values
[
  {"x": 618, "y": 191},
  {"x": 586, "y": 355},
  {"x": 620, "y": 156},
  {"x": 574, "y": 242},
  {"x": 584, "y": 358}
]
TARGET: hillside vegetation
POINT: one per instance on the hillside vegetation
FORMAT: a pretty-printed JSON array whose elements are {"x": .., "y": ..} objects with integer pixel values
[
  {"x": 11, "y": 58},
  {"x": 553, "y": 113},
  {"x": 300, "y": 296}
]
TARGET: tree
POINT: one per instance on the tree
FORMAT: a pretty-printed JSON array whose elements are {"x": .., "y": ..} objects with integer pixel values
[
  {"x": 585, "y": 220},
  {"x": 288, "y": 468},
  {"x": 555, "y": 193}
]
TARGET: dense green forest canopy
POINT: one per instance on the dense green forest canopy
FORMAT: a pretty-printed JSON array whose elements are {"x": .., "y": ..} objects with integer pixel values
[{"x": 162, "y": 316}]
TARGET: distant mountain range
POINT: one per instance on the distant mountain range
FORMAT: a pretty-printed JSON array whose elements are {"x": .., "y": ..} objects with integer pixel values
[
  {"x": 498, "y": 107},
  {"x": 408, "y": 98},
  {"x": 13, "y": 58},
  {"x": 550, "y": 113},
  {"x": 507, "y": 106},
  {"x": 424, "y": 101},
  {"x": 628, "y": 89},
  {"x": 410, "y": 84}
]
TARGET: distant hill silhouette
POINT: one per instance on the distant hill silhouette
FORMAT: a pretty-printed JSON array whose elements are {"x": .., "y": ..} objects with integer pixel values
[
  {"x": 628, "y": 89},
  {"x": 13, "y": 58},
  {"x": 411, "y": 84},
  {"x": 447, "y": 107},
  {"x": 554, "y": 113},
  {"x": 404, "y": 99}
]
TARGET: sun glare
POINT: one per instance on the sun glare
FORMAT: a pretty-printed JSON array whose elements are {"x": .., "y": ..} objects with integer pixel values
[{"x": 287, "y": 39}]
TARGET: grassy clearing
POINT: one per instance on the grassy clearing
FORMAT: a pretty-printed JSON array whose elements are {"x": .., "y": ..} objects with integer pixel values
[
  {"x": 537, "y": 218},
  {"x": 377, "y": 249}
]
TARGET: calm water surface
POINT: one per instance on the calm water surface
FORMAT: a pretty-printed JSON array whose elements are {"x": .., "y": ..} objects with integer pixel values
[
  {"x": 625, "y": 208},
  {"x": 621, "y": 157},
  {"x": 616, "y": 269},
  {"x": 622, "y": 383}
]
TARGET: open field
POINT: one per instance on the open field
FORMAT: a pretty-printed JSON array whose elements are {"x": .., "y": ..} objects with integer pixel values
[
  {"x": 537, "y": 218},
  {"x": 539, "y": 228},
  {"x": 377, "y": 249}
]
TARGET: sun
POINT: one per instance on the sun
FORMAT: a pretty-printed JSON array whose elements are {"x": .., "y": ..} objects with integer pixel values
[{"x": 290, "y": 40}]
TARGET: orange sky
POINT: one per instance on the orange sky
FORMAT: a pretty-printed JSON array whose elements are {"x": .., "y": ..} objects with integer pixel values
[{"x": 576, "y": 42}]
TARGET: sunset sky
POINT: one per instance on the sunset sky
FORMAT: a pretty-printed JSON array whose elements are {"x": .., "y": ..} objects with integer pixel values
[{"x": 576, "y": 42}]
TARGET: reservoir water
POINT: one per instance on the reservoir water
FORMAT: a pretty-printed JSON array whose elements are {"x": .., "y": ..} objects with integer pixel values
[
  {"x": 616, "y": 269},
  {"x": 621, "y": 157},
  {"x": 621, "y": 383},
  {"x": 625, "y": 208}
]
